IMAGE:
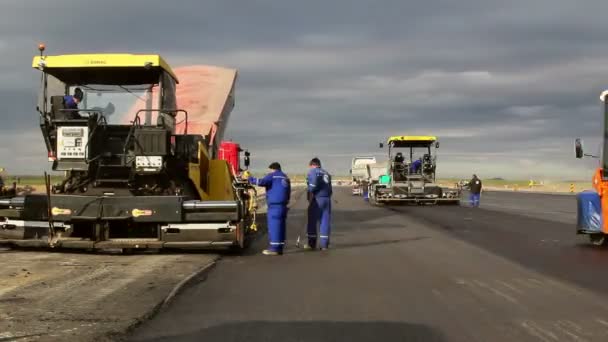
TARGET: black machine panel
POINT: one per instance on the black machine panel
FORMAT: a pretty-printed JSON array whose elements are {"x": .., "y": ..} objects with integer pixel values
[{"x": 151, "y": 141}]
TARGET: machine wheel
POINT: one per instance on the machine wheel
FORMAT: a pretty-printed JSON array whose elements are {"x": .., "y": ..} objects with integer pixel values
[{"x": 598, "y": 239}]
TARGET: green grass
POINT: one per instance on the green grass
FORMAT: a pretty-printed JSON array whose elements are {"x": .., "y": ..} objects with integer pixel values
[
  {"x": 525, "y": 184},
  {"x": 31, "y": 180}
]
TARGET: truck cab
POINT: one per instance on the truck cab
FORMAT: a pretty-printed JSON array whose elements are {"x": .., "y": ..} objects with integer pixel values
[{"x": 358, "y": 172}]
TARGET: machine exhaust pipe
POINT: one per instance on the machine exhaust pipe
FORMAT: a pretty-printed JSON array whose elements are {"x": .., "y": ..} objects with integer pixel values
[{"x": 212, "y": 205}]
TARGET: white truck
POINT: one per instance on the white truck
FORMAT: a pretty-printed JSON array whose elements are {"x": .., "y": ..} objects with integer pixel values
[
  {"x": 358, "y": 172},
  {"x": 374, "y": 172}
]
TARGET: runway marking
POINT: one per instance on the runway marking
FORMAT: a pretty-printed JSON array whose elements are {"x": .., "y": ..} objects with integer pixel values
[
  {"x": 496, "y": 292},
  {"x": 536, "y": 281},
  {"x": 537, "y": 331},
  {"x": 602, "y": 322},
  {"x": 509, "y": 286},
  {"x": 525, "y": 283},
  {"x": 572, "y": 325},
  {"x": 437, "y": 293},
  {"x": 568, "y": 332}
]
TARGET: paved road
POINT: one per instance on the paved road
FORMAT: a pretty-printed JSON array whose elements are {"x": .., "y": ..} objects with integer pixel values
[
  {"x": 559, "y": 208},
  {"x": 69, "y": 296},
  {"x": 406, "y": 274}
]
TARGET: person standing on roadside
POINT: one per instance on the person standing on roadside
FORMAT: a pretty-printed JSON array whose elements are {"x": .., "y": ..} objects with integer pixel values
[
  {"x": 475, "y": 190},
  {"x": 319, "y": 205},
  {"x": 278, "y": 193}
]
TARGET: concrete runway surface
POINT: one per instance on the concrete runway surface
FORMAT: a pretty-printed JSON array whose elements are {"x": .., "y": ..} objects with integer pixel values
[{"x": 512, "y": 270}]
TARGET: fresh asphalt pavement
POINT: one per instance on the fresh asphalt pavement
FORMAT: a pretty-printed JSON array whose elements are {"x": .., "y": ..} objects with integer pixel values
[
  {"x": 558, "y": 207},
  {"x": 515, "y": 272}
]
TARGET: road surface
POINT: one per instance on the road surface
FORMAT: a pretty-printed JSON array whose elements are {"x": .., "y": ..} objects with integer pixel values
[
  {"x": 559, "y": 207},
  {"x": 70, "y": 296},
  {"x": 511, "y": 273}
]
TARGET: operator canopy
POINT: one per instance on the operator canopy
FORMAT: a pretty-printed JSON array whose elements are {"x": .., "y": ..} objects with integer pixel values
[
  {"x": 105, "y": 69},
  {"x": 401, "y": 141},
  {"x": 123, "y": 84}
]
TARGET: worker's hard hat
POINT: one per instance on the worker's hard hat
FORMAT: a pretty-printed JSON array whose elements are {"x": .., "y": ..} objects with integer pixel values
[{"x": 603, "y": 95}]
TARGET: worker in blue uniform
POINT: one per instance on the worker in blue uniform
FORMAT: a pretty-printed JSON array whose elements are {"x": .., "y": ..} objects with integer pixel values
[
  {"x": 416, "y": 165},
  {"x": 72, "y": 101},
  {"x": 278, "y": 193},
  {"x": 319, "y": 207}
]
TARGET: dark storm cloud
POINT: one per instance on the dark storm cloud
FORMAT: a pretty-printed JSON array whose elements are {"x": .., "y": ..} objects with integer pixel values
[{"x": 505, "y": 85}]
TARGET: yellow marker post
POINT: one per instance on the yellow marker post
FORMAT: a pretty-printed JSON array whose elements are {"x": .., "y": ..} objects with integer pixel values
[{"x": 572, "y": 187}]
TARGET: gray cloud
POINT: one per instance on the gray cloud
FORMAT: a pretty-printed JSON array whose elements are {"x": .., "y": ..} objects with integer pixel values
[{"x": 505, "y": 85}]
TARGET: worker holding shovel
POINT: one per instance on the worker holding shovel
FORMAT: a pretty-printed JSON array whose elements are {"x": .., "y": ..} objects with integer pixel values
[{"x": 278, "y": 192}]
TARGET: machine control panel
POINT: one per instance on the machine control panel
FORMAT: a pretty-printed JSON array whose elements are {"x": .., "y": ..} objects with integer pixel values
[
  {"x": 72, "y": 142},
  {"x": 149, "y": 163}
]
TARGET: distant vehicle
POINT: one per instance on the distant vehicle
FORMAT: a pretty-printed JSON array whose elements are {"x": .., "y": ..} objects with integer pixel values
[
  {"x": 463, "y": 184},
  {"x": 358, "y": 172},
  {"x": 411, "y": 175},
  {"x": 375, "y": 173},
  {"x": 591, "y": 208}
]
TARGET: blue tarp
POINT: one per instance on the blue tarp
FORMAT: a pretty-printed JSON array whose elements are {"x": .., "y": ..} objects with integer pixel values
[{"x": 589, "y": 215}]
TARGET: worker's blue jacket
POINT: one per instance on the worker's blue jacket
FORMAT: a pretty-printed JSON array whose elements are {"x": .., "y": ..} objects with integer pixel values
[
  {"x": 319, "y": 182},
  {"x": 415, "y": 166},
  {"x": 69, "y": 102},
  {"x": 278, "y": 187}
]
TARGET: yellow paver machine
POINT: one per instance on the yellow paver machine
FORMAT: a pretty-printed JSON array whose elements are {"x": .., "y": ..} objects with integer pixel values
[
  {"x": 410, "y": 176},
  {"x": 131, "y": 180}
]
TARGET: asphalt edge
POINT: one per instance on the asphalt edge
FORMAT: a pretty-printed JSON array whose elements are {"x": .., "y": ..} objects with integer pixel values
[
  {"x": 533, "y": 192},
  {"x": 189, "y": 280},
  {"x": 196, "y": 276}
]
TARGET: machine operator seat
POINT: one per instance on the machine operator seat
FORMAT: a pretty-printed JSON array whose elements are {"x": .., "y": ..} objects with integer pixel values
[
  {"x": 399, "y": 158},
  {"x": 59, "y": 112},
  {"x": 399, "y": 167}
]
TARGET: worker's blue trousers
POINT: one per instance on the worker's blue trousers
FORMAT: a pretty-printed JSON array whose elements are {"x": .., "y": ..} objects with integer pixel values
[
  {"x": 474, "y": 199},
  {"x": 319, "y": 209},
  {"x": 277, "y": 223}
]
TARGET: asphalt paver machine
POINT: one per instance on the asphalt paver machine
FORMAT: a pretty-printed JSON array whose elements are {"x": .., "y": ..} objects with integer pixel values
[
  {"x": 131, "y": 179},
  {"x": 411, "y": 173}
]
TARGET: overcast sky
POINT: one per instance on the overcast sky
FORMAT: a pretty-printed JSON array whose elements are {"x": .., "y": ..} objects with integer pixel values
[{"x": 505, "y": 85}]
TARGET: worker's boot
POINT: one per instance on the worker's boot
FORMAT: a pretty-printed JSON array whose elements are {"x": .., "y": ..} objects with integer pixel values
[
  {"x": 271, "y": 253},
  {"x": 307, "y": 247}
]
